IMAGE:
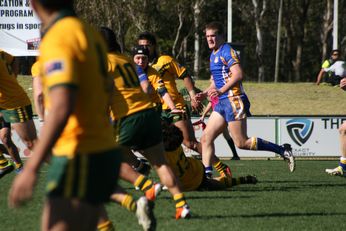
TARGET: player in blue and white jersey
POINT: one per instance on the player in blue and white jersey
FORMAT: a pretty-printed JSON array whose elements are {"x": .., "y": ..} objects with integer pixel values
[{"x": 233, "y": 106}]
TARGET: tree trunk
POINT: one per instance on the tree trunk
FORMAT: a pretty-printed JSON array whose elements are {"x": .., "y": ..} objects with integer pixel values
[
  {"x": 259, "y": 13},
  {"x": 196, "y": 15},
  {"x": 327, "y": 27}
]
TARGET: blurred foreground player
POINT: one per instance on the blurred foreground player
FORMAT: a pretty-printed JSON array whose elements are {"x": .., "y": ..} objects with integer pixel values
[{"x": 84, "y": 167}]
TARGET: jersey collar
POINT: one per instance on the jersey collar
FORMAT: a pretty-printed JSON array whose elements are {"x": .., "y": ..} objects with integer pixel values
[{"x": 62, "y": 14}]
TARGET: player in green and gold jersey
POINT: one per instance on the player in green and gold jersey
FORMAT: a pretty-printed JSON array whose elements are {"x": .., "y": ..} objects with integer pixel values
[
  {"x": 15, "y": 109},
  {"x": 189, "y": 170},
  {"x": 136, "y": 122},
  {"x": 85, "y": 161}
]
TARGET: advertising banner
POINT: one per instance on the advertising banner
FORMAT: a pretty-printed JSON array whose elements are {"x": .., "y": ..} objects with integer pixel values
[
  {"x": 309, "y": 136},
  {"x": 19, "y": 28}
]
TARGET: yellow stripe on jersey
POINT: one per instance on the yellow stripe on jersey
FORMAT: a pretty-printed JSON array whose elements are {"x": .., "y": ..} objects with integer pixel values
[
  {"x": 170, "y": 70},
  {"x": 128, "y": 96},
  {"x": 69, "y": 181},
  {"x": 83, "y": 165},
  {"x": 78, "y": 59},
  {"x": 12, "y": 95}
]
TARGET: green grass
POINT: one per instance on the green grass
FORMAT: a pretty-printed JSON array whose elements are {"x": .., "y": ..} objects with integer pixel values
[{"x": 307, "y": 199}]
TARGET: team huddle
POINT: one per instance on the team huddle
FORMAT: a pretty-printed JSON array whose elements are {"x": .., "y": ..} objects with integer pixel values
[{"x": 99, "y": 107}]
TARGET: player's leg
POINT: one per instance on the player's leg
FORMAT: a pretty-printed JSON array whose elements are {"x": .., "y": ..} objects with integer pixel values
[
  {"x": 22, "y": 123},
  {"x": 69, "y": 214},
  {"x": 143, "y": 208},
  {"x": 190, "y": 140},
  {"x": 77, "y": 187},
  {"x": 155, "y": 155},
  {"x": 12, "y": 150},
  {"x": 230, "y": 143},
  {"x": 215, "y": 126},
  {"x": 238, "y": 129},
  {"x": 27, "y": 132},
  {"x": 341, "y": 169},
  {"x": 5, "y": 166},
  {"x": 143, "y": 183}
]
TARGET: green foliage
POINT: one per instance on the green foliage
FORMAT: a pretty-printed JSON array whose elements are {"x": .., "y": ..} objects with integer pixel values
[
  {"x": 307, "y": 199},
  {"x": 302, "y": 27}
]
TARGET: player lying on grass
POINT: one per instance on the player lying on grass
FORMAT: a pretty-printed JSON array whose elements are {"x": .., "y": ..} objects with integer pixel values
[{"x": 190, "y": 171}]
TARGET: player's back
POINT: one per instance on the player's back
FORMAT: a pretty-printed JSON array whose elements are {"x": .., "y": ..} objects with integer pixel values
[
  {"x": 12, "y": 95},
  {"x": 128, "y": 96},
  {"x": 78, "y": 61},
  {"x": 189, "y": 171}
]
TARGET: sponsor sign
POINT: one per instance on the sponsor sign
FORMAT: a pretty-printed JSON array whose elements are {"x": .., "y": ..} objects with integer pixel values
[
  {"x": 19, "y": 28},
  {"x": 309, "y": 136}
]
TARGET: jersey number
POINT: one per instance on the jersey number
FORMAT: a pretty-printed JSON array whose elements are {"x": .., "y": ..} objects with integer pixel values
[{"x": 129, "y": 75}]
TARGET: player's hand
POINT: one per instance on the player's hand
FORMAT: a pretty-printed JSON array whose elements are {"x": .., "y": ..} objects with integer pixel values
[
  {"x": 343, "y": 84},
  {"x": 196, "y": 105},
  {"x": 200, "y": 96},
  {"x": 213, "y": 93},
  {"x": 22, "y": 188}
]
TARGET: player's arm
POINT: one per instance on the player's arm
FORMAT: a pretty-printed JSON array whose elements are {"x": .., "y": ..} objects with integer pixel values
[
  {"x": 343, "y": 84},
  {"x": 38, "y": 96},
  {"x": 237, "y": 76},
  {"x": 319, "y": 76},
  {"x": 206, "y": 110},
  {"x": 202, "y": 95},
  {"x": 62, "y": 104},
  {"x": 143, "y": 80}
]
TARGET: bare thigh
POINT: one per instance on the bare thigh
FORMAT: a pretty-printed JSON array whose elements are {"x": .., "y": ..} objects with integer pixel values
[{"x": 63, "y": 214}]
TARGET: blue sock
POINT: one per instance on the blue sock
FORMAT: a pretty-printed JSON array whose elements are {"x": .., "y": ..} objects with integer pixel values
[
  {"x": 208, "y": 169},
  {"x": 342, "y": 163},
  {"x": 268, "y": 146}
]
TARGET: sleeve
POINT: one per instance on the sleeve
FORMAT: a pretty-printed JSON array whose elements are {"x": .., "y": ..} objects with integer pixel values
[
  {"x": 325, "y": 64},
  {"x": 177, "y": 69},
  {"x": 59, "y": 63},
  {"x": 229, "y": 56},
  {"x": 331, "y": 68},
  {"x": 142, "y": 76}
]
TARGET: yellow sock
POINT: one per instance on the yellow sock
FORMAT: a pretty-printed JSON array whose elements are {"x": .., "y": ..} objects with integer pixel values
[
  {"x": 143, "y": 183},
  {"x": 129, "y": 203},
  {"x": 3, "y": 160},
  {"x": 220, "y": 167},
  {"x": 106, "y": 226},
  {"x": 179, "y": 200}
]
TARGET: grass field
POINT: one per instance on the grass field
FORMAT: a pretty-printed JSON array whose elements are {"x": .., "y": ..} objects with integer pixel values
[
  {"x": 276, "y": 98},
  {"x": 307, "y": 199}
]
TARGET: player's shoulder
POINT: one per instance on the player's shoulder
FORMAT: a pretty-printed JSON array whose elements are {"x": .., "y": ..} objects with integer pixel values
[{"x": 165, "y": 59}]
